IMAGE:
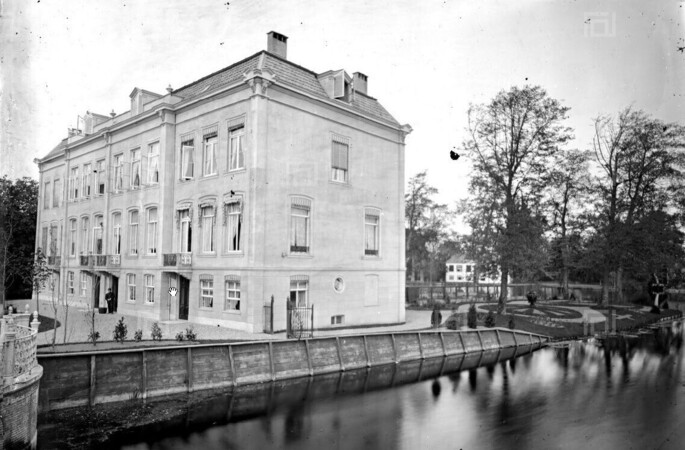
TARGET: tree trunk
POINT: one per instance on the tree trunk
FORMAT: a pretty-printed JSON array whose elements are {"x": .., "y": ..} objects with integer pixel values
[
  {"x": 606, "y": 279},
  {"x": 618, "y": 292},
  {"x": 503, "y": 291},
  {"x": 564, "y": 283}
]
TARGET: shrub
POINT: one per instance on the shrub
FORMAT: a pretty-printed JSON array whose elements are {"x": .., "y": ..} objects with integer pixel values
[
  {"x": 532, "y": 297},
  {"x": 191, "y": 335},
  {"x": 120, "y": 331},
  {"x": 138, "y": 335},
  {"x": 156, "y": 332},
  {"x": 179, "y": 336},
  {"x": 452, "y": 323},
  {"x": 93, "y": 336},
  {"x": 490, "y": 319},
  {"x": 472, "y": 317},
  {"x": 512, "y": 323}
]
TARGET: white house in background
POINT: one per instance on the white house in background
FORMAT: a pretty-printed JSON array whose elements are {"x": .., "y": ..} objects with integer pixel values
[{"x": 460, "y": 269}]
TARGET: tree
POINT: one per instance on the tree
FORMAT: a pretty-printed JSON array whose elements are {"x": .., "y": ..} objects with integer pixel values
[
  {"x": 426, "y": 222},
  {"x": 18, "y": 206},
  {"x": 40, "y": 276},
  {"x": 640, "y": 173},
  {"x": 511, "y": 141}
]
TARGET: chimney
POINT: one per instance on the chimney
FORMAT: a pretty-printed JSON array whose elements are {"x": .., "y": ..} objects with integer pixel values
[
  {"x": 277, "y": 44},
  {"x": 360, "y": 82}
]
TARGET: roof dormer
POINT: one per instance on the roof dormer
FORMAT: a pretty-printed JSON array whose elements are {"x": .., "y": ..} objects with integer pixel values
[
  {"x": 140, "y": 97},
  {"x": 337, "y": 84}
]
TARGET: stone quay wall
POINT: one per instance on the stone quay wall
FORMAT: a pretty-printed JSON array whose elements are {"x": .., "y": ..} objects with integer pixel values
[{"x": 87, "y": 378}]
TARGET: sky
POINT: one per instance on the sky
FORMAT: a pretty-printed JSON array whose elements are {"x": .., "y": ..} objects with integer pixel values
[{"x": 426, "y": 61}]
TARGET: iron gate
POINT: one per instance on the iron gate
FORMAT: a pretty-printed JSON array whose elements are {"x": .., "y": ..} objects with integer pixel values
[{"x": 300, "y": 322}]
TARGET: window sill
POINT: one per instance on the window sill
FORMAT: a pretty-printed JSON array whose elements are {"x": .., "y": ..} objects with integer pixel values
[
  {"x": 299, "y": 255},
  {"x": 233, "y": 254},
  {"x": 372, "y": 257},
  {"x": 206, "y": 255},
  {"x": 149, "y": 303},
  {"x": 206, "y": 308},
  {"x": 150, "y": 256},
  {"x": 209, "y": 177},
  {"x": 132, "y": 302},
  {"x": 129, "y": 256},
  {"x": 345, "y": 184},
  {"x": 232, "y": 312},
  {"x": 235, "y": 171}
]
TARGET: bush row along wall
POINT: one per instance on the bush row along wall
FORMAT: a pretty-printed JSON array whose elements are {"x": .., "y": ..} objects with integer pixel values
[{"x": 87, "y": 378}]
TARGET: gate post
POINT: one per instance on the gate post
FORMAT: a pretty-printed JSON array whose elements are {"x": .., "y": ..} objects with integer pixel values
[
  {"x": 287, "y": 318},
  {"x": 272, "y": 314},
  {"x": 311, "y": 324}
]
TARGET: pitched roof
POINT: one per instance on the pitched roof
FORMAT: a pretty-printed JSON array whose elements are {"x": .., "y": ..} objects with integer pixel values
[
  {"x": 459, "y": 258},
  {"x": 58, "y": 150}
]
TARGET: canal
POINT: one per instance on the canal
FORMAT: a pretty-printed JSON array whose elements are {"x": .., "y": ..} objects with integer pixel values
[{"x": 603, "y": 394}]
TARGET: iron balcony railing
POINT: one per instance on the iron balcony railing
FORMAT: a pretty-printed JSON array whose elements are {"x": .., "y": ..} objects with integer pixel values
[
  {"x": 54, "y": 260},
  {"x": 177, "y": 259},
  {"x": 114, "y": 261},
  {"x": 100, "y": 260}
]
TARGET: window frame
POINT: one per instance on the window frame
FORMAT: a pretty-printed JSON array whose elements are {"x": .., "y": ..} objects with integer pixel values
[
  {"x": 70, "y": 282},
  {"x": 229, "y": 218},
  {"x": 131, "y": 287},
  {"x": 83, "y": 284},
  {"x": 336, "y": 165},
  {"x": 209, "y": 145},
  {"x": 47, "y": 201},
  {"x": 98, "y": 231},
  {"x": 133, "y": 230},
  {"x": 100, "y": 177},
  {"x": 211, "y": 235},
  {"x": 298, "y": 286},
  {"x": 56, "y": 194},
  {"x": 236, "y": 134},
  {"x": 152, "y": 157},
  {"x": 116, "y": 233},
  {"x": 206, "y": 292},
  {"x": 232, "y": 286},
  {"x": 300, "y": 203},
  {"x": 118, "y": 172},
  {"x": 372, "y": 212},
  {"x": 151, "y": 227},
  {"x": 86, "y": 177},
  {"x": 73, "y": 236},
  {"x": 187, "y": 145},
  {"x": 186, "y": 237},
  {"x": 84, "y": 248},
  {"x": 149, "y": 283},
  {"x": 136, "y": 163}
]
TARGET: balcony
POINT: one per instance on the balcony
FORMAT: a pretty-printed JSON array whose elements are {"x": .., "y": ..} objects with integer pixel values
[
  {"x": 177, "y": 259},
  {"x": 86, "y": 261},
  {"x": 114, "y": 261},
  {"x": 100, "y": 260},
  {"x": 54, "y": 260}
]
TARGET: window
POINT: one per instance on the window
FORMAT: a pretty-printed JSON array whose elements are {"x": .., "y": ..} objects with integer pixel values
[
  {"x": 70, "y": 283},
  {"x": 337, "y": 320},
  {"x": 56, "y": 193},
  {"x": 84, "y": 284},
  {"x": 86, "y": 180},
  {"x": 186, "y": 233},
  {"x": 450, "y": 267},
  {"x": 44, "y": 240},
  {"x": 133, "y": 232},
  {"x": 54, "y": 244},
  {"x": 236, "y": 157},
  {"x": 118, "y": 172},
  {"x": 97, "y": 235},
  {"x": 469, "y": 267},
  {"x": 116, "y": 233},
  {"x": 85, "y": 232},
  {"x": 151, "y": 234},
  {"x": 187, "y": 158},
  {"x": 339, "y": 159},
  {"x": 149, "y": 288},
  {"x": 72, "y": 237},
  {"x": 206, "y": 291},
  {"x": 233, "y": 223},
  {"x": 131, "y": 283},
  {"x": 371, "y": 290},
  {"x": 100, "y": 177},
  {"x": 298, "y": 291},
  {"x": 135, "y": 169},
  {"x": 299, "y": 225},
  {"x": 232, "y": 302},
  {"x": 371, "y": 231},
  {"x": 460, "y": 268},
  {"x": 153, "y": 163},
  {"x": 209, "y": 140},
  {"x": 46, "y": 195},
  {"x": 208, "y": 229},
  {"x": 73, "y": 184}
]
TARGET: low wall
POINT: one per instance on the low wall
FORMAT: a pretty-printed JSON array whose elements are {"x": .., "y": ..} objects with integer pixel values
[{"x": 87, "y": 378}]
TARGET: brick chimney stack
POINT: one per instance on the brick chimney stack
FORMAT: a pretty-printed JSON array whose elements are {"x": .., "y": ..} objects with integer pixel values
[
  {"x": 360, "y": 82},
  {"x": 277, "y": 44}
]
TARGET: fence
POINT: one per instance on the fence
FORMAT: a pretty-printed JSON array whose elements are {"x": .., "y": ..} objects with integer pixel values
[{"x": 18, "y": 349}]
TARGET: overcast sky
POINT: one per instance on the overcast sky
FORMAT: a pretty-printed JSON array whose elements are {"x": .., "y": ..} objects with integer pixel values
[{"x": 426, "y": 60}]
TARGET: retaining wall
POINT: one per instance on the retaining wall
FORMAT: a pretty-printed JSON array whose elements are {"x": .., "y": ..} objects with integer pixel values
[{"x": 87, "y": 378}]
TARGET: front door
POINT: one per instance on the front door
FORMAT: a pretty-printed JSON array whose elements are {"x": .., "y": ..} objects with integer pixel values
[
  {"x": 115, "y": 291},
  {"x": 96, "y": 291},
  {"x": 183, "y": 290}
]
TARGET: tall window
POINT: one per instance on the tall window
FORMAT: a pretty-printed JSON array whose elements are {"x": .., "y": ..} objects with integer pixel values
[
  {"x": 209, "y": 140},
  {"x": 85, "y": 232},
  {"x": 72, "y": 237},
  {"x": 131, "y": 284},
  {"x": 153, "y": 163},
  {"x": 84, "y": 284},
  {"x": 97, "y": 235},
  {"x": 151, "y": 240},
  {"x": 149, "y": 288},
  {"x": 70, "y": 283},
  {"x": 186, "y": 231},
  {"x": 298, "y": 292},
  {"x": 207, "y": 229},
  {"x": 236, "y": 158},
  {"x": 133, "y": 232},
  {"x": 187, "y": 158},
  {"x": 135, "y": 169},
  {"x": 116, "y": 233},
  {"x": 57, "y": 193},
  {"x": 46, "y": 195},
  {"x": 73, "y": 184},
  {"x": 87, "y": 170},
  {"x": 339, "y": 160},
  {"x": 54, "y": 245},
  {"x": 100, "y": 177},
  {"x": 118, "y": 172},
  {"x": 44, "y": 240},
  {"x": 299, "y": 225},
  {"x": 233, "y": 218},
  {"x": 371, "y": 231},
  {"x": 232, "y": 301},
  {"x": 206, "y": 291}
]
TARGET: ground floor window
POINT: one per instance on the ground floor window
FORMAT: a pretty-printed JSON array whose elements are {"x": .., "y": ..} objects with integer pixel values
[
  {"x": 84, "y": 284},
  {"x": 232, "y": 302},
  {"x": 131, "y": 283},
  {"x": 149, "y": 288},
  {"x": 206, "y": 292},
  {"x": 70, "y": 283},
  {"x": 298, "y": 292}
]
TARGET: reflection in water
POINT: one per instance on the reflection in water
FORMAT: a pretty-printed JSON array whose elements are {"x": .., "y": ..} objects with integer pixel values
[{"x": 616, "y": 393}]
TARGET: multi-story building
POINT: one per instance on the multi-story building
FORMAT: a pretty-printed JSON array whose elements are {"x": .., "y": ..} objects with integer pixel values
[
  {"x": 263, "y": 178},
  {"x": 458, "y": 269}
]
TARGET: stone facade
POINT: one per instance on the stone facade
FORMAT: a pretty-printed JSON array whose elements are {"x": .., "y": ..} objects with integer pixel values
[{"x": 261, "y": 179}]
